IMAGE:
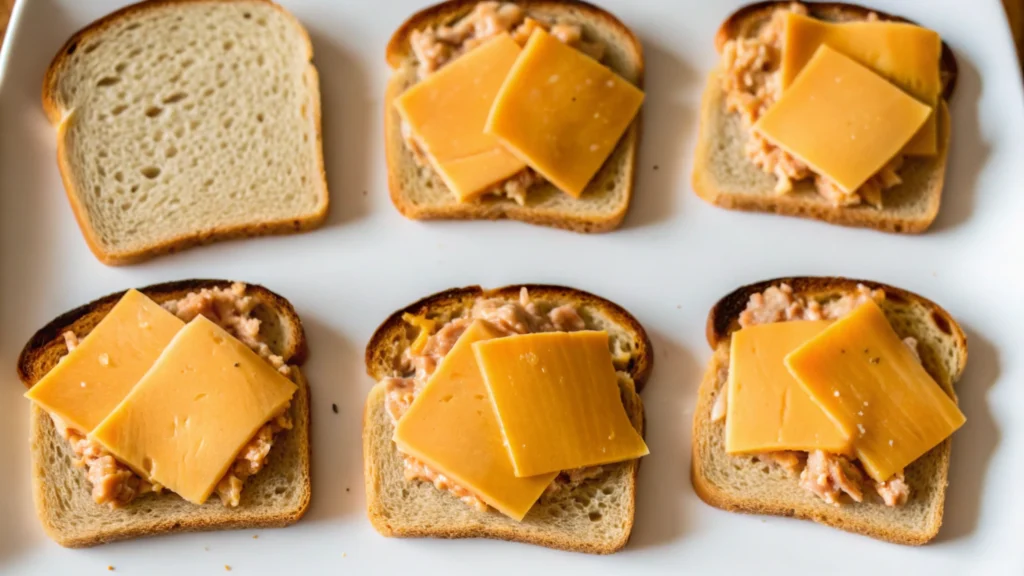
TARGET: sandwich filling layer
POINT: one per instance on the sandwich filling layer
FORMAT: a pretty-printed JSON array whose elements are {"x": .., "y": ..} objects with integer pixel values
[
  {"x": 751, "y": 78},
  {"x": 419, "y": 362},
  {"x": 438, "y": 45},
  {"x": 114, "y": 483},
  {"x": 834, "y": 478}
]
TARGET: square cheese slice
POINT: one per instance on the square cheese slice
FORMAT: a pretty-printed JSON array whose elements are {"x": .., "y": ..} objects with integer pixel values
[
  {"x": 905, "y": 54},
  {"x": 452, "y": 427},
  {"x": 842, "y": 119},
  {"x": 768, "y": 410},
  {"x": 88, "y": 383},
  {"x": 562, "y": 112},
  {"x": 557, "y": 398},
  {"x": 870, "y": 384},
  {"x": 447, "y": 110},
  {"x": 202, "y": 401}
]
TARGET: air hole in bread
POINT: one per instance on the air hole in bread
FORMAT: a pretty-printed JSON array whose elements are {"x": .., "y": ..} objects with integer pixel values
[
  {"x": 153, "y": 111},
  {"x": 175, "y": 79},
  {"x": 119, "y": 176},
  {"x": 71, "y": 49},
  {"x": 91, "y": 48},
  {"x": 228, "y": 45},
  {"x": 96, "y": 191},
  {"x": 150, "y": 172},
  {"x": 594, "y": 516},
  {"x": 158, "y": 135},
  {"x": 262, "y": 21},
  {"x": 175, "y": 98},
  {"x": 134, "y": 188},
  {"x": 179, "y": 132},
  {"x": 171, "y": 151},
  {"x": 126, "y": 206},
  {"x": 108, "y": 81},
  {"x": 405, "y": 493},
  {"x": 187, "y": 62},
  {"x": 227, "y": 124},
  {"x": 260, "y": 60},
  {"x": 208, "y": 182},
  {"x": 193, "y": 124},
  {"x": 135, "y": 52},
  {"x": 133, "y": 26},
  {"x": 246, "y": 15},
  {"x": 259, "y": 117},
  {"x": 305, "y": 137}
]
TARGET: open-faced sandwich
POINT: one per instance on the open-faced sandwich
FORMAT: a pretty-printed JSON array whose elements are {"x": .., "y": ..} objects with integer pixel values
[
  {"x": 832, "y": 400},
  {"x": 525, "y": 110},
  {"x": 828, "y": 111},
  {"x": 148, "y": 402},
  {"x": 509, "y": 413}
]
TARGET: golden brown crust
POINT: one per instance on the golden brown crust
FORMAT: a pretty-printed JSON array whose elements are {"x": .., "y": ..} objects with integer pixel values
[
  {"x": 748, "y": 18},
  {"x": 47, "y": 346},
  {"x": 398, "y": 49},
  {"x": 723, "y": 319},
  {"x": 381, "y": 355},
  {"x": 55, "y": 113}
]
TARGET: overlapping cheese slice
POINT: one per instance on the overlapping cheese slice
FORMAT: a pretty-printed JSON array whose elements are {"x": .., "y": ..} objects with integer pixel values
[
  {"x": 558, "y": 401},
  {"x": 842, "y": 119},
  {"x": 768, "y": 410},
  {"x": 188, "y": 417},
  {"x": 562, "y": 112},
  {"x": 453, "y": 428},
  {"x": 905, "y": 54},
  {"x": 874, "y": 389},
  {"x": 88, "y": 383}
]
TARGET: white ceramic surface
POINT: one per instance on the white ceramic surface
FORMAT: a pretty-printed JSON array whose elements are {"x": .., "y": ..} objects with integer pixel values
[{"x": 674, "y": 256}]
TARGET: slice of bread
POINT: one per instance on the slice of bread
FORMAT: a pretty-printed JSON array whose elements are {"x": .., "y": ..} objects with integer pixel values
[
  {"x": 724, "y": 176},
  {"x": 277, "y": 496},
  {"x": 182, "y": 123},
  {"x": 596, "y": 517},
  {"x": 419, "y": 193},
  {"x": 745, "y": 484}
]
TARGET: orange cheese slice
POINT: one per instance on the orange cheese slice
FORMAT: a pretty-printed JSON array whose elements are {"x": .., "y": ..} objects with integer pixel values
[
  {"x": 452, "y": 427},
  {"x": 562, "y": 112},
  {"x": 558, "y": 402},
  {"x": 447, "y": 112},
  {"x": 874, "y": 388},
  {"x": 84, "y": 387},
  {"x": 904, "y": 54},
  {"x": 187, "y": 419},
  {"x": 842, "y": 119},
  {"x": 768, "y": 410}
]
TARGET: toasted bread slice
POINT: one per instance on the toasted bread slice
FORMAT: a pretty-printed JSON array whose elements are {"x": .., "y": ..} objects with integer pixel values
[
  {"x": 206, "y": 110},
  {"x": 420, "y": 194},
  {"x": 724, "y": 176},
  {"x": 596, "y": 517},
  {"x": 744, "y": 484},
  {"x": 277, "y": 496}
]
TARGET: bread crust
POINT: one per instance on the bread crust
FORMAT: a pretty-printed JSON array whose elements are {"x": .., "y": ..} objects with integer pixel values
[
  {"x": 723, "y": 320},
  {"x": 805, "y": 202},
  {"x": 45, "y": 348},
  {"x": 56, "y": 114},
  {"x": 381, "y": 356},
  {"x": 398, "y": 49}
]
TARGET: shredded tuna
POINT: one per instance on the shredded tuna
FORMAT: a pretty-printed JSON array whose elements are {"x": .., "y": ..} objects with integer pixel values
[
  {"x": 751, "y": 79},
  {"x": 778, "y": 304},
  {"x": 789, "y": 460},
  {"x": 829, "y": 476},
  {"x": 894, "y": 491},
  {"x": 522, "y": 316},
  {"x": 251, "y": 459},
  {"x": 112, "y": 482}
]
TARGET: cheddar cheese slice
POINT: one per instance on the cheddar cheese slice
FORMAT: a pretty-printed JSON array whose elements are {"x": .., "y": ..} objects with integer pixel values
[
  {"x": 874, "y": 388},
  {"x": 562, "y": 112},
  {"x": 88, "y": 383},
  {"x": 904, "y": 54},
  {"x": 842, "y": 119},
  {"x": 187, "y": 419},
  {"x": 447, "y": 111},
  {"x": 557, "y": 399},
  {"x": 768, "y": 410},
  {"x": 452, "y": 427}
]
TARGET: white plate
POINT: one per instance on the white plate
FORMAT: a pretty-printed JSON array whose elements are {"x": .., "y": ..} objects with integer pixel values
[{"x": 669, "y": 263}]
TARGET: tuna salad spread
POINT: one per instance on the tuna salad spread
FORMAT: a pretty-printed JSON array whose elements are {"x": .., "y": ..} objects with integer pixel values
[
  {"x": 115, "y": 484},
  {"x": 436, "y": 46},
  {"x": 508, "y": 317},
  {"x": 826, "y": 475},
  {"x": 751, "y": 79}
]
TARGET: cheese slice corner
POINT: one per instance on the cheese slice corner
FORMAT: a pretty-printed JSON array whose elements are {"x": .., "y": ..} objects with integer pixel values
[
  {"x": 562, "y": 112},
  {"x": 452, "y": 427},
  {"x": 558, "y": 401},
  {"x": 841, "y": 119},
  {"x": 867, "y": 380},
  {"x": 768, "y": 410},
  {"x": 202, "y": 401},
  {"x": 88, "y": 383}
]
